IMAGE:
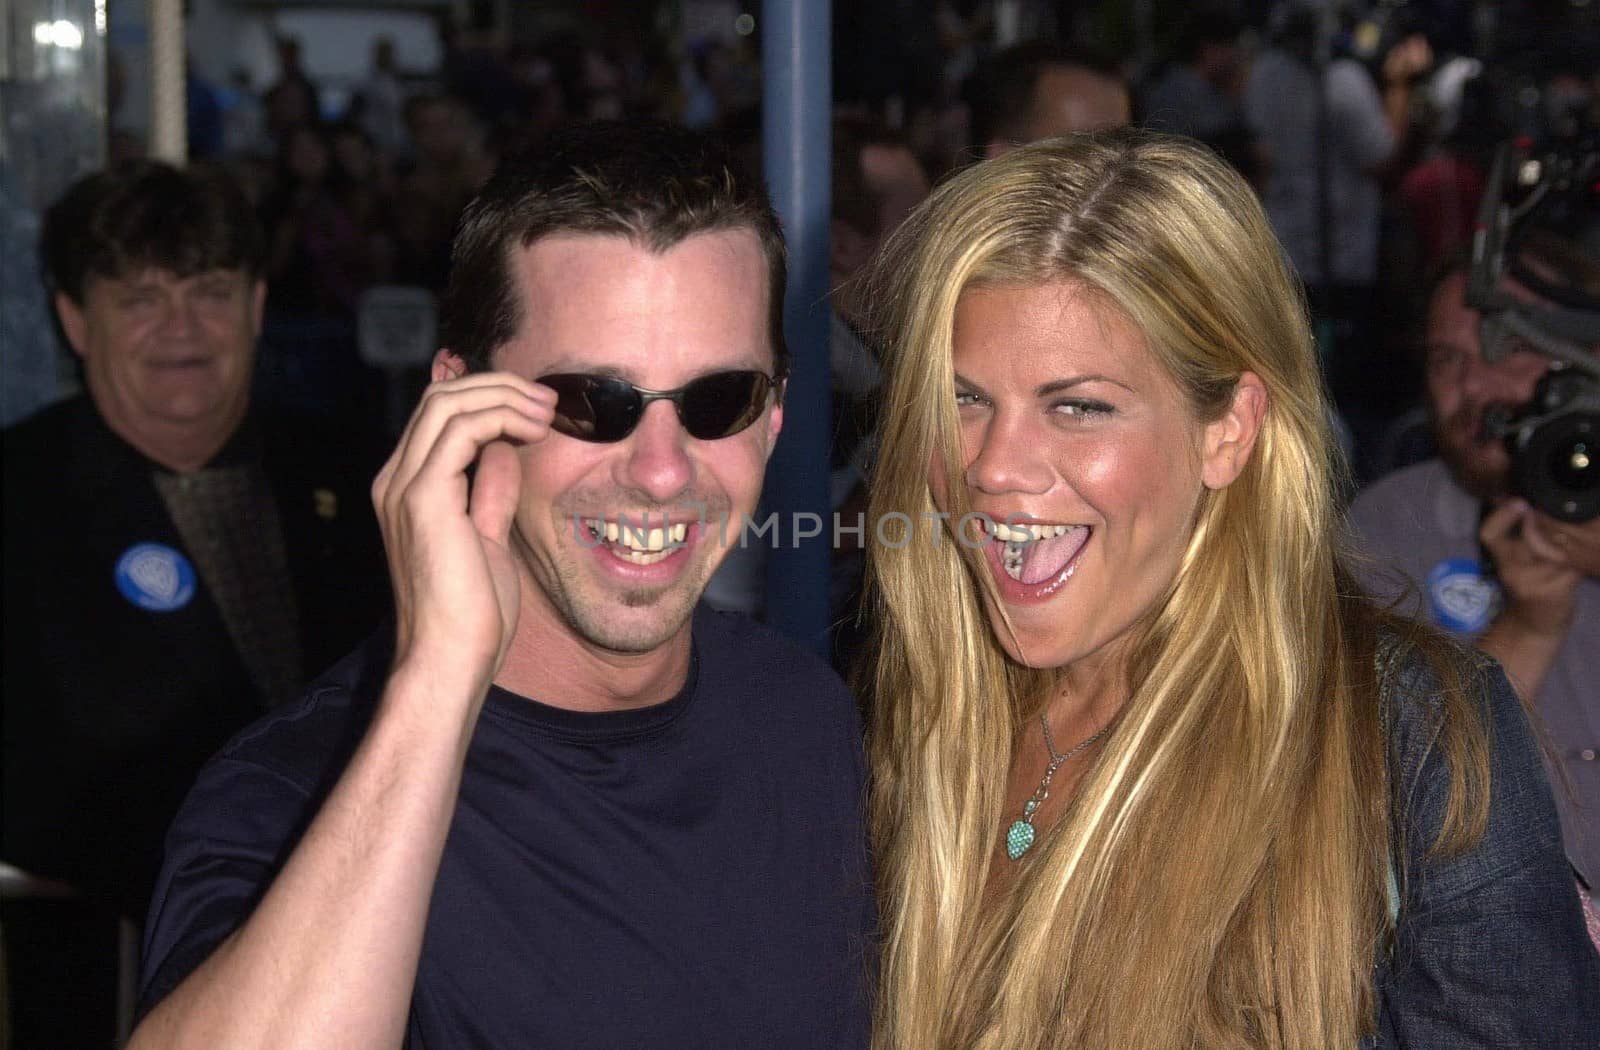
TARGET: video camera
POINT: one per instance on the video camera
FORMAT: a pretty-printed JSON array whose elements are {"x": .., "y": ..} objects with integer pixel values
[{"x": 1550, "y": 194}]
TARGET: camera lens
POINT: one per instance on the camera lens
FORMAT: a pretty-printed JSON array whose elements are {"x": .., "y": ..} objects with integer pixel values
[
  {"x": 1558, "y": 466},
  {"x": 1573, "y": 468}
]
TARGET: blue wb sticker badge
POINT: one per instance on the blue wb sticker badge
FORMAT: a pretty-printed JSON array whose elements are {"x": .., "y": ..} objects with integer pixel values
[
  {"x": 153, "y": 576},
  {"x": 1462, "y": 596}
]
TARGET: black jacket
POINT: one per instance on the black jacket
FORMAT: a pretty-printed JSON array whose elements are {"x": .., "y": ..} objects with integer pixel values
[{"x": 111, "y": 709}]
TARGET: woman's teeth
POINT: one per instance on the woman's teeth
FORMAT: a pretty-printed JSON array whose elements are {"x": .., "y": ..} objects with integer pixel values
[
  {"x": 635, "y": 543},
  {"x": 1016, "y": 539},
  {"x": 1012, "y": 559},
  {"x": 1026, "y": 533}
]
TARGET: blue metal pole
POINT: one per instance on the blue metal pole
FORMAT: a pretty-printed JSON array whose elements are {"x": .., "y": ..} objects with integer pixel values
[{"x": 797, "y": 100}]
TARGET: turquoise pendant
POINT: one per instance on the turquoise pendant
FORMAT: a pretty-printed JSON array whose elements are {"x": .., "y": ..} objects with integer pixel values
[{"x": 1018, "y": 839}]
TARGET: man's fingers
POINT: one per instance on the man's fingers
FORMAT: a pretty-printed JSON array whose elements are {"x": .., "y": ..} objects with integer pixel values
[
  {"x": 439, "y": 401},
  {"x": 444, "y": 402},
  {"x": 460, "y": 441},
  {"x": 1541, "y": 544},
  {"x": 1501, "y": 523},
  {"x": 496, "y": 488},
  {"x": 444, "y": 388},
  {"x": 1579, "y": 542}
]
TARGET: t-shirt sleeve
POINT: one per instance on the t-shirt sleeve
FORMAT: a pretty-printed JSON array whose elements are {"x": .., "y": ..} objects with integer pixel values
[{"x": 223, "y": 850}]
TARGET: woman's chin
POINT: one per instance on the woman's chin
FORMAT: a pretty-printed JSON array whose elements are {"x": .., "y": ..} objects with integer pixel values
[{"x": 1040, "y": 650}]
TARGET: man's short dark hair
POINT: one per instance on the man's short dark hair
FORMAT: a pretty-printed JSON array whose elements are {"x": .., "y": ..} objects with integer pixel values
[
  {"x": 654, "y": 183},
  {"x": 1000, "y": 94},
  {"x": 144, "y": 214}
]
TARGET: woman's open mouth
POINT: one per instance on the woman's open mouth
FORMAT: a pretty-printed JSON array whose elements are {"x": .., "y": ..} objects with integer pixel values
[{"x": 1032, "y": 560}]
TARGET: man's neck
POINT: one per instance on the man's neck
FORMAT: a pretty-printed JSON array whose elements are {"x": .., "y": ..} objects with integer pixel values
[
  {"x": 179, "y": 449},
  {"x": 549, "y": 662},
  {"x": 180, "y": 446}
]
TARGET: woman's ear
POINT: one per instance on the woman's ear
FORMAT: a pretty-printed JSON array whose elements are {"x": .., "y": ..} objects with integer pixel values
[
  {"x": 1230, "y": 438},
  {"x": 447, "y": 364}
]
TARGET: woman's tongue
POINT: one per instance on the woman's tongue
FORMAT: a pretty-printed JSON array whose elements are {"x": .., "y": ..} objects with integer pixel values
[{"x": 1043, "y": 559}]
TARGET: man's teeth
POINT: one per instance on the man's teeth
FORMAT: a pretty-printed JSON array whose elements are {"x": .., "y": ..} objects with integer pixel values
[{"x": 635, "y": 543}]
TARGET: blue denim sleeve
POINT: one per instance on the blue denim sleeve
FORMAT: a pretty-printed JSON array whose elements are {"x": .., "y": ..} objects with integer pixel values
[{"x": 1490, "y": 949}]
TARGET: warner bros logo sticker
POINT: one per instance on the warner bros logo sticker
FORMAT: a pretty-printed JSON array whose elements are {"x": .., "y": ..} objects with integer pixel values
[
  {"x": 155, "y": 577},
  {"x": 1462, "y": 596}
]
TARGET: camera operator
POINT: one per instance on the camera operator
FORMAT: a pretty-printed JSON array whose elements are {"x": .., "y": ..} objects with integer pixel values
[{"x": 1479, "y": 559}]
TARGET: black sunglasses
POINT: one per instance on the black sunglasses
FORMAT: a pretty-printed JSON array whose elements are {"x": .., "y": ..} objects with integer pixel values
[{"x": 604, "y": 408}]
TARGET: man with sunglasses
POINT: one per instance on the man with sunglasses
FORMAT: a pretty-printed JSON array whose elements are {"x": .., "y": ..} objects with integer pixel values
[{"x": 563, "y": 805}]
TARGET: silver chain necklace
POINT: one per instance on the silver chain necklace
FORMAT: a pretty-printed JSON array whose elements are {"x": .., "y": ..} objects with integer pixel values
[{"x": 1020, "y": 835}]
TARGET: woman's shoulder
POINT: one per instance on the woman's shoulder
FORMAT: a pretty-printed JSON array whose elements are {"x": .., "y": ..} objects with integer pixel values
[
  {"x": 1426, "y": 679},
  {"x": 1490, "y": 948},
  {"x": 1457, "y": 732}
]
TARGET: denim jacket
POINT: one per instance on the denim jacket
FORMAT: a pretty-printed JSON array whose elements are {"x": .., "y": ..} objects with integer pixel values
[{"x": 1490, "y": 948}]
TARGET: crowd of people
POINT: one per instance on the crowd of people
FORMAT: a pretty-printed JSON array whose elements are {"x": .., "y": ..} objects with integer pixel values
[
  {"x": 1369, "y": 181},
  {"x": 1227, "y": 629}
]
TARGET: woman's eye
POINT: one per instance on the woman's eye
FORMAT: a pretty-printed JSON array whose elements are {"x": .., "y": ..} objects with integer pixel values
[
  {"x": 1080, "y": 408},
  {"x": 966, "y": 400}
]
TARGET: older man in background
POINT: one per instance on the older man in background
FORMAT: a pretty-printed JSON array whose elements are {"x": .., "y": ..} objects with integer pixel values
[{"x": 176, "y": 561}]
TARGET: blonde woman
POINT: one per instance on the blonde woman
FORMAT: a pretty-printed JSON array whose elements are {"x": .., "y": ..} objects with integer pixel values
[{"x": 1149, "y": 772}]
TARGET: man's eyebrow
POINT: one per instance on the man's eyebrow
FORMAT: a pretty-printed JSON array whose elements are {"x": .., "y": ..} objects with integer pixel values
[
  {"x": 575, "y": 368},
  {"x": 568, "y": 367}
]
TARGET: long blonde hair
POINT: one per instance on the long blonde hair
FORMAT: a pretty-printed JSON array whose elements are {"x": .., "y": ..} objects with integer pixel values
[{"x": 1219, "y": 879}]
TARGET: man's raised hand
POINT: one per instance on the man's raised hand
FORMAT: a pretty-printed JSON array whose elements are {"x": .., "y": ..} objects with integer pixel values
[{"x": 448, "y": 541}]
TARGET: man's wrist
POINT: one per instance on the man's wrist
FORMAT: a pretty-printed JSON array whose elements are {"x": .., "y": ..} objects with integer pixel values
[{"x": 437, "y": 691}]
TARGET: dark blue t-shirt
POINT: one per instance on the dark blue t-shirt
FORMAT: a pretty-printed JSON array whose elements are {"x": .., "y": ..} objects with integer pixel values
[{"x": 693, "y": 874}]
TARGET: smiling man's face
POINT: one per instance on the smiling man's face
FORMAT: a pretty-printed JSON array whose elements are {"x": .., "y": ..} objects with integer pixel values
[
  {"x": 165, "y": 357},
  {"x": 604, "y": 305}
]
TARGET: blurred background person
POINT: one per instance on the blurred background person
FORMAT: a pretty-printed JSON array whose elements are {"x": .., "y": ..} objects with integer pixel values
[
  {"x": 1327, "y": 137},
  {"x": 177, "y": 562},
  {"x": 382, "y": 98},
  {"x": 1453, "y": 542},
  {"x": 1199, "y": 91},
  {"x": 877, "y": 182},
  {"x": 1040, "y": 89},
  {"x": 448, "y": 165},
  {"x": 292, "y": 100},
  {"x": 316, "y": 260}
]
